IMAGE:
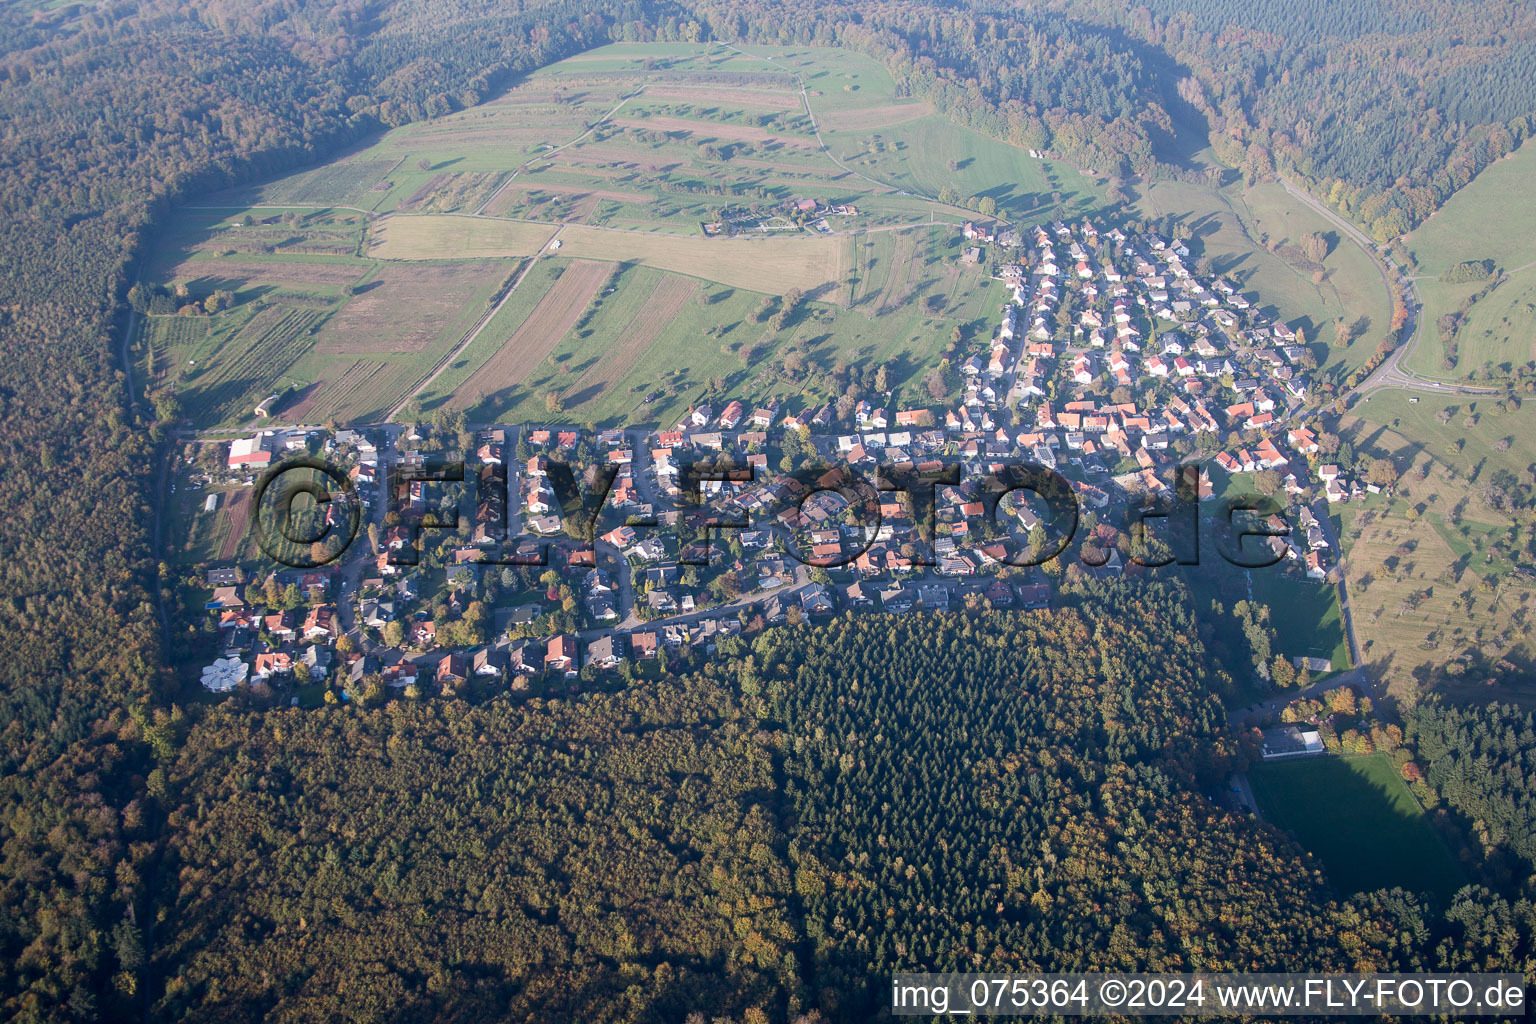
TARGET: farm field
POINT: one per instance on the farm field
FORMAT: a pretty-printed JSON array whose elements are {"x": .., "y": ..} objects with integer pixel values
[
  {"x": 1226, "y": 223},
  {"x": 1431, "y": 570},
  {"x": 537, "y": 336},
  {"x": 1479, "y": 223},
  {"x": 197, "y": 537},
  {"x": 402, "y": 237},
  {"x": 1357, "y": 817},
  {"x": 616, "y": 158}
]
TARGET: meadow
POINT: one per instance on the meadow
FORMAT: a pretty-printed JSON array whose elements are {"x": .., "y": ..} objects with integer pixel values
[
  {"x": 1357, "y": 817},
  {"x": 356, "y": 280},
  {"x": 619, "y": 156},
  {"x": 1431, "y": 569},
  {"x": 1480, "y": 223}
]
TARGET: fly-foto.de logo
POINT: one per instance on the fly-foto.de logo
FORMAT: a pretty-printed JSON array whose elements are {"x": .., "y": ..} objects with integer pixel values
[{"x": 821, "y": 512}]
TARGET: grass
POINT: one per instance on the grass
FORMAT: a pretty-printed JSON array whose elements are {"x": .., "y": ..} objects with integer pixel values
[
  {"x": 928, "y": 153},
  {"x": 772, "y": 265},
  {"x": 196, "y": 537},
  {"x": 455, "y": 237},
  {"x": 1430, "y": 569},
  {"x": 1305, "y": 614},
  {"x": 1357, "y": 817},
  {"x": 1470, "y": 448},
  {"x": 1227, "y": 224},
  {"x": 631, "y": 196},
  {"x": 1480, "y": 222}
]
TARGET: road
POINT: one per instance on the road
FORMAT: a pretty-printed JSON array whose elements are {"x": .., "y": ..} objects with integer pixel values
[
  {"x": 1391, "y": 373},
  {"x": 361, "y": 555}
]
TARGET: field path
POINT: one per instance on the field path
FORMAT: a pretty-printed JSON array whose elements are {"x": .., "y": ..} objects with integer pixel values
[
  {"x": 539, "y": 335},
  {"x": 546, "y": 153},
  {"x": 464, "y": 342}
]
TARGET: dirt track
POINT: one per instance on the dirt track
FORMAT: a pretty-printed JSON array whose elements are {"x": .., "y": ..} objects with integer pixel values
[{"x": 533, "y": 341}]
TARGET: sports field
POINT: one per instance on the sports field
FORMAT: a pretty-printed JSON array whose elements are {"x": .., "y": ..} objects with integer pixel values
[
  {"x": 1357, "y": 817},
  {"x": 1305, "y": 614}
]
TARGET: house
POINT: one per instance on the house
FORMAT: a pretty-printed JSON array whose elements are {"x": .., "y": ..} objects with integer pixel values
[
  {"x": 1291, "y": 741},
  {"x": 271, "y": 665},
  {"x": 226, "y": 577},
  {"x": 644, "y": 644},
  {"x": 251, "y": 452},
  {"x": 816, "y": 599},
  {"x": 1034, "y": 595},
  {"x": 225, "y": 597},
  {"x": 606, "y": 651},
  {"x": 560, "y": 654},
  {"x": 318, "y": 660},
  {"x": 896, "y": 598},
  {"x": 933, "y": 597},
  {"x": 320, "y": 623}
]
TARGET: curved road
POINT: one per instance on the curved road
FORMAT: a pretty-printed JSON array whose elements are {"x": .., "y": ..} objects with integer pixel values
[{"x": 1391, "y": 373}]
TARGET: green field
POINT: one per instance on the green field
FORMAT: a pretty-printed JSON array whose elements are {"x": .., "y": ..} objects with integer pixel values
[
  {"x": 1430, "y": 569},
  {"x": 1357, "y": 817},
  {"x": 1305, "y": 614},
  {"x": 1479, "y": 222},
  {"x": 629, "y": 150},
  {"x": 1393, "y": 424}
]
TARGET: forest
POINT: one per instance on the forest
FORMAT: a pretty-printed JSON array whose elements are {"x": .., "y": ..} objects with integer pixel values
[
  {"x": 127, "y": 821},
  {"x": 1479, "y": 762},
  {"x": 764, "y": 836}
]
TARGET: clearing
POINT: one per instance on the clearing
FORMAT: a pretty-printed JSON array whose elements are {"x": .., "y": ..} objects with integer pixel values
[{"x": 1357, "y": 817}]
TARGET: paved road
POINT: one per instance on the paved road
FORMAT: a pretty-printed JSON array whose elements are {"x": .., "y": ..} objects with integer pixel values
[
  {"x": 361, "y": 556},
  {"x": 1391, "y": 373}
]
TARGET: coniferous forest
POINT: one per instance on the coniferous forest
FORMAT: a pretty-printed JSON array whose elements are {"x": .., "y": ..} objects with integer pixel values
[{"x": 760, "y": 837}]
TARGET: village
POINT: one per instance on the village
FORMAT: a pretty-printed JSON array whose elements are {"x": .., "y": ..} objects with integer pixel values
[{"x": 1111, "y": 364}]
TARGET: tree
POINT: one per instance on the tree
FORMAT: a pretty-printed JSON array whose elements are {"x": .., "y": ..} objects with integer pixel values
[
  {"x": 1315, "y": 246},
  {"x": 394, "y": 633},
  {"x": 1343, "y": 333}
]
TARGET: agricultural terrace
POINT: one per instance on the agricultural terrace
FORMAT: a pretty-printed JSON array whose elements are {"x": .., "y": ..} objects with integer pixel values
[
  {"x": 614, "y": 237},
  {"x": 1436, "y": 573},
  {"x": 611, "y": 238}
]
